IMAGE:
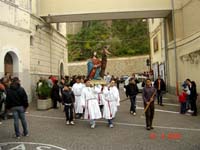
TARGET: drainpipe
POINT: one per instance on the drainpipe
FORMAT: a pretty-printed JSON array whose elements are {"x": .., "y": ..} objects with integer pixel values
[
  {"x": 175, "y": 53},
  {"x": 167, "y": 77}
]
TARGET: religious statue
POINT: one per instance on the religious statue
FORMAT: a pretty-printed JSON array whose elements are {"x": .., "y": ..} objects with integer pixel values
[
  {"x": 94, "y": 67},
  {"x": 105, "y": 52}
]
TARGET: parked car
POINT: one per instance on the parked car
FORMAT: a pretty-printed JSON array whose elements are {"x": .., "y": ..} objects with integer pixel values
[
  {"x": 123, "y": 78},
  {"x": 139, "y": 80}
]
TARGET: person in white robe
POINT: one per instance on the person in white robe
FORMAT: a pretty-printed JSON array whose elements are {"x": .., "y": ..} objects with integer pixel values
[
  {"x": 111, "y": 101},
  {"x": 90, "y": 103},
  {"x": 77, "y": 89},
  {"x": 99, "y": 94}
]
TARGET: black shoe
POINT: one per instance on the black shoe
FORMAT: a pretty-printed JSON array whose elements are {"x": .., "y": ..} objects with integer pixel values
[
  {"x": 152, "y": 128},
  {"x": 161, "y": 105},
  {"x": 194, "y": 114},
  {"x": 148, "y": 128}
]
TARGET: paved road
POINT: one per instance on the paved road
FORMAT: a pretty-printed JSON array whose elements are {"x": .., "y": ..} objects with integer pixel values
[{"x": 48, "y": 131}]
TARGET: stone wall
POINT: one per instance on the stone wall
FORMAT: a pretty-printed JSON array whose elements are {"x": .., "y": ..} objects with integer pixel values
[{"x": 115, "y": 66}]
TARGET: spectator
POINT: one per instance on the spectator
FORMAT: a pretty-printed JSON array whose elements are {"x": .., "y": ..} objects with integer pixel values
[{"x": 17, "y": 102}]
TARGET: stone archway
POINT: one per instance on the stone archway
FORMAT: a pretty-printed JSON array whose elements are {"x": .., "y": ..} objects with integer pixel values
[
  {"x": 11, "y": 64},
  {"x": 8, "y": 64}
]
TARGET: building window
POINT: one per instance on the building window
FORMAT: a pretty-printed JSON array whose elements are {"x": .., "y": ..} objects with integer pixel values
[
  {"x": 31, "y": 40},
  {"x": 155, "y": 43}
]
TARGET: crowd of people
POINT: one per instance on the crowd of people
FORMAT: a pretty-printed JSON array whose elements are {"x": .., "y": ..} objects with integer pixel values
[
  {"x": 15, "y": 100},
  {"x": 83, "y": 98}
]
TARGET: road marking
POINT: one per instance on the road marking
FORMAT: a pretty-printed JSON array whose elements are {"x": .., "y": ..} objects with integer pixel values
[
  {"x": 169, "y": 104},
  {"x": 120, "y": 123},
  {"x": 31, "y": 143},
  {"x": 160, "y": 110}
]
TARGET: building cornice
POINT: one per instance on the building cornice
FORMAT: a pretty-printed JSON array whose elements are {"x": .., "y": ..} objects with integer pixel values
[{"x": 14, "y": 27}]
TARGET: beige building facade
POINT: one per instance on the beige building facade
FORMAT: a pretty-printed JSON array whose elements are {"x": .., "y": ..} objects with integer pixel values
[
  {"x": 29, "y": 46},
  {"x": 181, "y": 58}
]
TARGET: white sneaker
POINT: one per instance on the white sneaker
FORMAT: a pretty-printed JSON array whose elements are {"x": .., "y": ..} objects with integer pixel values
[
  {"x": 134, "y": 114},
  {"x": 67, "y": 122},
  {"x": 190, "y": 111},
  {"x": 0, "y": 122},
  {"x": 72, "y": 122},
  {"x": 111, "y": 126},
  {"x": 92, "y": 126}
]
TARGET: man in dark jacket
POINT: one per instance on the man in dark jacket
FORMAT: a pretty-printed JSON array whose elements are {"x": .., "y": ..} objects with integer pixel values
[
  {"x": 17, "y": 102},
  {"x": 68, "y": 101},
  {"x": 55, "y": 96},
  {"x": 160, "y": 86},
  {"x": 132, "y": 91},
  {"x": 193, "y": 96}
]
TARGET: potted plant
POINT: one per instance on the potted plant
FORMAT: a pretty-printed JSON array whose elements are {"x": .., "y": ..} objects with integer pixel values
[{"x": 43, "y": 90}]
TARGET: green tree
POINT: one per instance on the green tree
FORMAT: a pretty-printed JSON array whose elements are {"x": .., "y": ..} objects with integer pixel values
[{"x": 125, "y": 38}]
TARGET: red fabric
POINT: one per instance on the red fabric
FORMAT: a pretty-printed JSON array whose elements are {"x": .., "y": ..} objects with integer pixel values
[
  {"x": 53, "y": 79},
  {"x": 2, "y": 87},
  {"x": 182, "y": 97}
]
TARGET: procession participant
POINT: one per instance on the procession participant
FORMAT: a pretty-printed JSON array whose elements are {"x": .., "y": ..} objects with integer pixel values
[
  {"x": 111, "y": 101},
  {"x": 90, "y": 103},
  {"x": 148, "y": 95},
  {"x": 68, "y": 102},
  {"x": 99, "y": 94},
  {"x": 77, "y": 89}
]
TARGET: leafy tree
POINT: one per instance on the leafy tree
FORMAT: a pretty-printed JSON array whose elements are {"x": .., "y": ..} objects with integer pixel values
[{"x": 125, "y": 38}]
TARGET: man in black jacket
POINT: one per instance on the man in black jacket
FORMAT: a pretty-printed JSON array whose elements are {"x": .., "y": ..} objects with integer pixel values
[
  {"x": 160, "y": 86},
  {"x": 132, "y": 91},
  {"x": 68, "y": 101},
  {"x": 193, "y": 96},
  {"x": 17, "y": 102}
]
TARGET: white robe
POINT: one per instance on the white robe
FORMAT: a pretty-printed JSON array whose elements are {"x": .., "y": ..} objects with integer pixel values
[
  {"x": 90, "y": 102},
  {"x": 111, "y": 101},
  {"x": 99, "y": 94},
  {"x": 77, "y": 89}
]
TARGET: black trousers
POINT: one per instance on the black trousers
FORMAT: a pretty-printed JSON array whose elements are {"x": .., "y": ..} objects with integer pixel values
[
  {"x": 194, "y": 106},
  {"x": 159, "y": 96},
  {"x": 69, "y": 112},
  {"x": 133, "y": 103},
  {"x": 149, "y": 114}
]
